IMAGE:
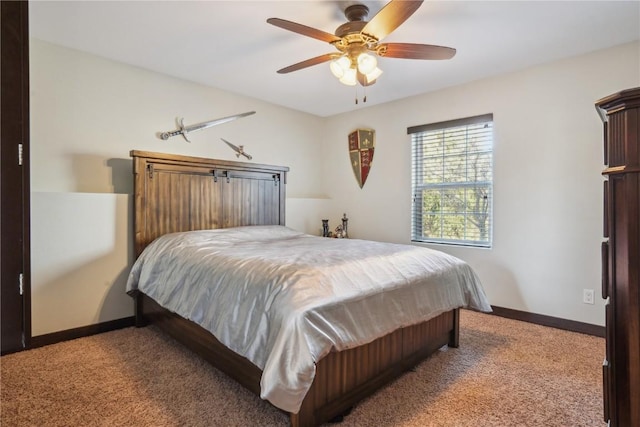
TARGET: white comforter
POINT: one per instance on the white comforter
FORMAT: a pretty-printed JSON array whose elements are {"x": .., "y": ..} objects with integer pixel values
[{"x": 284, "y": 299}]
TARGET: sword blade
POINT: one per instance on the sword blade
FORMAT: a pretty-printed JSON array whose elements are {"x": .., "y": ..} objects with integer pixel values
[
  {"x": 210, "y": 123},
  {"x": 184, "y": 130},
  {"x": 235, "y": 148}
]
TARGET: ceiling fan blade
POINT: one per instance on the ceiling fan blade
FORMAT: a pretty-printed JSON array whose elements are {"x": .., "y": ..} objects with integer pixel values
[
  {"x": 309, "y": 62},
  {"x": 390, "y": 17},
  {"x": 415, "y": 51},
  {"x": 304, "y": 30}
]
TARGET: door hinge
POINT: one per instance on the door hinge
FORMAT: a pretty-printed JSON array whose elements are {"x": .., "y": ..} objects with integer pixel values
[
  {"x": 19, "y": 154},
  {"x": 21, "y": 283}
]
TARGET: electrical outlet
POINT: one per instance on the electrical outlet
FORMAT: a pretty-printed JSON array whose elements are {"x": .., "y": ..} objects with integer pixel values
[{"x": 587, "y": 296}]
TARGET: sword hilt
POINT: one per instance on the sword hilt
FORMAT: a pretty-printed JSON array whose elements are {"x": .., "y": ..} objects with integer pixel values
[
  {"x": 166, "y": 135},
  {"x": 180, "y": 131}
]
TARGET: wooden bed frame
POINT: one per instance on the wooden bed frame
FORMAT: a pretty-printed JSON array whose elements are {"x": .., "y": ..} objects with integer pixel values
[{"x": 179, "y": 193}]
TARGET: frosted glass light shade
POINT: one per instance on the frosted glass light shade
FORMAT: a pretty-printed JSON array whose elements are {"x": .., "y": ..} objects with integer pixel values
[
  {"x": 349, "y": 77},
  {"x": 340, "y": 66},
  {"x": 347, "y": 71},
  {"x": 366, "y": 63},
  {"x": 374, "y": 74}
]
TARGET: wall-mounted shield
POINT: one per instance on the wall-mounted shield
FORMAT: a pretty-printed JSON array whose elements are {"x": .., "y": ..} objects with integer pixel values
[{"x": 361, "y": 147}]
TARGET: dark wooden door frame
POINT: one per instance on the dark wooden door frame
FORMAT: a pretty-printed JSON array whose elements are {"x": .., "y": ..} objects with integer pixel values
[{"x": 15, "y": 188}]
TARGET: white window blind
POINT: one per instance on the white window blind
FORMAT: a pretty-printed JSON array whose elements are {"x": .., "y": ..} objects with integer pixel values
[{"x": 452, "y": 181}]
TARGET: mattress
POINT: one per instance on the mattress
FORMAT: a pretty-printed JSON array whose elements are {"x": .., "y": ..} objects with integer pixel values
[{"x": 284, "y": 299}]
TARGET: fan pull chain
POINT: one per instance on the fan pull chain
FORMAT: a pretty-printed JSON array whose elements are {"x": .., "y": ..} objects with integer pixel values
[{"x": 364, "y": 98}]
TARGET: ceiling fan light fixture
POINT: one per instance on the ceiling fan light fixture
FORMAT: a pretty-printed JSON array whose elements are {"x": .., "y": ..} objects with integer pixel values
[
  {"x": 358, "y": 42},
  {"x": 349, "y": 77},
  {"x": 367, "y": 63},
  {"x": 340, "y": 66}
]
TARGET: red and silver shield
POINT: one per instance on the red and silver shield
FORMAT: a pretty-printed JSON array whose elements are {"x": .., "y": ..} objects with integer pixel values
[{"x": 361, "y": 147}]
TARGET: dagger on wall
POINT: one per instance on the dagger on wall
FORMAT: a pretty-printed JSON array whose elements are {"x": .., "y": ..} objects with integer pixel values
[{"x": 238, "y": 149}]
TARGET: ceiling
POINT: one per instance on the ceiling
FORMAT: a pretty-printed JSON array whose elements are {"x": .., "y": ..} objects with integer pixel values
[{"x": 229, "y": 45}]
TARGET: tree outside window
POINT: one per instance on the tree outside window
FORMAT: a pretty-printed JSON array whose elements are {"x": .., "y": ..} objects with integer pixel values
[{"x": 452, "y": 179}]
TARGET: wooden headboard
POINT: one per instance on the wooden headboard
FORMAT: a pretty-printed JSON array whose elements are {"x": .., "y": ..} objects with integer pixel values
[{"x": 181, "y": 193}]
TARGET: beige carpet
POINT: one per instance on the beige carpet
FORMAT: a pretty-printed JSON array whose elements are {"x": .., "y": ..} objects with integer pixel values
[{"x": 505, "y": 373}]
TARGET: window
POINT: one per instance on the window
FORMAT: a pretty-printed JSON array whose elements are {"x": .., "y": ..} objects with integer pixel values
[{"x": 452, "y": 181}]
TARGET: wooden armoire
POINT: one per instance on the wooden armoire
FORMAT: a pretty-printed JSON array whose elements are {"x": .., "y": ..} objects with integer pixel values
[{"x": 621, "y": 256}]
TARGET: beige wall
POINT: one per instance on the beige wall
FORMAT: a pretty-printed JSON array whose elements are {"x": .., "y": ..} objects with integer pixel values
[
  {"x": 88, "y": 112},
  {"x": 547, "y": 185}
]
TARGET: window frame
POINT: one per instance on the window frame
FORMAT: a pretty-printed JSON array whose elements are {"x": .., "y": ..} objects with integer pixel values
[{"x": 418, "y": 186}]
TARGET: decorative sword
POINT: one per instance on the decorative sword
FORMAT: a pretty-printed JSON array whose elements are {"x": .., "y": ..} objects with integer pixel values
[
  {"x": 184, "y": 130},
  {"x": 239, "y": 150}
]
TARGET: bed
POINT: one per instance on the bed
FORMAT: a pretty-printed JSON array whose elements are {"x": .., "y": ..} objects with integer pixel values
[{"x": 189, "y": 208}]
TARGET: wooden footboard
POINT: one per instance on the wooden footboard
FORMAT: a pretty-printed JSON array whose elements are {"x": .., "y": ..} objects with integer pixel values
[
  {"x": 342, "y": 378},
  {"x": 346, "y": 377}
]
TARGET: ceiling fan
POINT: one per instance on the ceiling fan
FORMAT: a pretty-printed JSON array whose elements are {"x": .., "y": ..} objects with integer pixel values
[{"x": 358, "y": 42}]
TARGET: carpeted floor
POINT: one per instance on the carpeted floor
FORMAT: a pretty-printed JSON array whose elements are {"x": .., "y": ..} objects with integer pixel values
[{"x": 505, "y": 373}]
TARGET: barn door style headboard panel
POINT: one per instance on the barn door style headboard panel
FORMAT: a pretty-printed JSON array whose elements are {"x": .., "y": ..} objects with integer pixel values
[{"x": 180, "y": 193}]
